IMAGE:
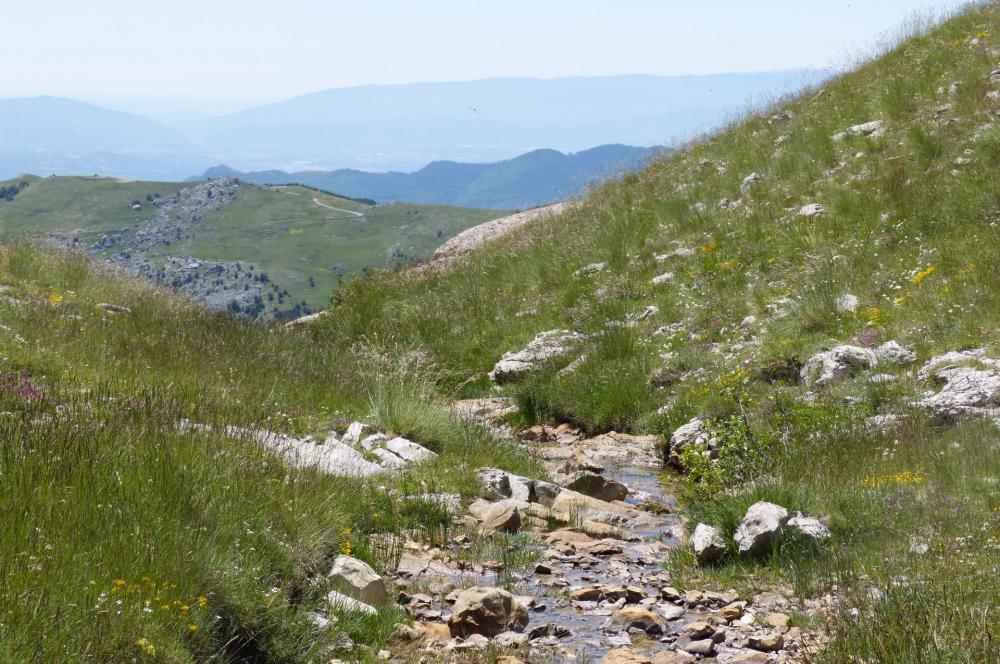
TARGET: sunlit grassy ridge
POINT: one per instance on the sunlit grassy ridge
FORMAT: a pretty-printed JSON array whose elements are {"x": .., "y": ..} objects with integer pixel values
[{"x": 98, "y": 484}]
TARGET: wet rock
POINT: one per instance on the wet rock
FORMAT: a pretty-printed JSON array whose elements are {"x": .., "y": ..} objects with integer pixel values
[
  {"x": 357, "y": 579},
  {"x": 545, "y": 346},
  {"x": 596, "y": 486},
  {"x": 760, "y": 528},
  {"x": 748, "y": 657},
  {"x": 486, "y": 611},
  {"x": 634, "y": 617},
  {"x": 703, "y": 647},
  {"x": 731, "y": 612},
  {"x": 698, "y": 629},
  {"x": 708, "y": 543}
]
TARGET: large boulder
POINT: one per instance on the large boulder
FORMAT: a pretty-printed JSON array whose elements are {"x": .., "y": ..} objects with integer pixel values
[
  {"x": 498, "y": 484},
  {"x": 695, "y": 432},
  {"x": 760, "y": 528},
  {"x": 486, "y": 611},
  {"x": 708, "y": 543},
  {"x": 409, "y": 451},
  {"x": 545, "y": 346},
  {"x": 355, "y": 578}
]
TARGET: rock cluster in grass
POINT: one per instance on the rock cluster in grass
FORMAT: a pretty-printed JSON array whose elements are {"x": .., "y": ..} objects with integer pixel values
[
  {"x": 759, "y": 532},
  {"x": 366, "y": 455}
]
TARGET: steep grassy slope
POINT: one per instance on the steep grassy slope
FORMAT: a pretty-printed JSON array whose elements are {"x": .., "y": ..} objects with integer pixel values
[
  {"x": 306, "y": 240},
  {"x": 909, "y": 229},
  {"x": 126, "y": 539}
]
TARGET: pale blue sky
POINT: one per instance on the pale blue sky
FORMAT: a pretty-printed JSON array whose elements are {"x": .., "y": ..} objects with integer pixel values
[{"x": 233, "y": 52}]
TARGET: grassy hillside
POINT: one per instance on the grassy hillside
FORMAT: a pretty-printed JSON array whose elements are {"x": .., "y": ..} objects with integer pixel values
[
  {"x": 304, "y": 239},
  {"x": 107, "y": 505},
  {"x": 909, "y": 229}
]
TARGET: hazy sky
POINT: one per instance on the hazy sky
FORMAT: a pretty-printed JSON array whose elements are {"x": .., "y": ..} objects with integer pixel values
[{"x": 232, "y": 52}]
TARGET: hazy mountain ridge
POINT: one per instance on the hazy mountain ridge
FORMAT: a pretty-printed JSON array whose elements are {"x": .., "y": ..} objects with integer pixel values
[
  {"x": 383, "y": 128},
  {"x": 535, "y": 178}
]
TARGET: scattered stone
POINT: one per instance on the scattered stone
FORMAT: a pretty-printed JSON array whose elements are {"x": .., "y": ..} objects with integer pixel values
[
  {"x": 920, "y": 548},
  {"x": 766, "y": 642},
  {"x": 355, "y": 432},
  {"x": 812, "y": 210},
  {"x": 848, "y": 303},
  {"x": 760, "y": 528},
  {"x": 593, "y": 268},
  {"x": 357, "y": 579},
  {"x": 638, "y": 618},
  {"x": 625, "y": 656},
  {"x": 873, "y": 129},
  {"x": 708, "y": 543},
  {"x": 749, "y": 181},
  {"x": 777, "y": 619},
  {"x": 486, "y": 611},
  {"x": 409, "y": 451},
  {"x": 662, "y": 278},
  {"x": 114, "y": 308}
]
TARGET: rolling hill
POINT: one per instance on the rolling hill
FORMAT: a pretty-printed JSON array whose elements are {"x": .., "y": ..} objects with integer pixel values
[
  {"x": 757, "y": 382},
  {"x": 532, "y": 179},
  {"x": 218, "y": 241}
]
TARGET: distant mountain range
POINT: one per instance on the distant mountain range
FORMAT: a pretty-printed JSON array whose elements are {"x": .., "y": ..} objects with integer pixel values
[
  {"x": 383, "y": 128},
  {"x": 535, "y": 178}
]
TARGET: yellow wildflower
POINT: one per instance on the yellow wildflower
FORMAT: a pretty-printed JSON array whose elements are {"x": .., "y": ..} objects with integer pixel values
[
  {"x": 923, "y": 274},
  {"x": 708, "y": 248},
  {"x": 192, "y": 628},
  {"x": 55, "y": 298},
  {"x": 903, "y": 478}
]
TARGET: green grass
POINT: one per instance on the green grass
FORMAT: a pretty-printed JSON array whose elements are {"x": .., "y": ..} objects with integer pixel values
[
  {"x": 99, "y": 484},
  {"x": 223, "y": 520}
]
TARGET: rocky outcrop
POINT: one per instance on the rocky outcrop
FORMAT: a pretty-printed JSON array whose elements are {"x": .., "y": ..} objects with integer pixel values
[
  {"x": 969, "y": 383},
  {"x": 545, "y": 346},
  {"x": 471, "y": 239},
  {"x": 872, "y": 129},
  {"x": 841, "y": 362}
]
